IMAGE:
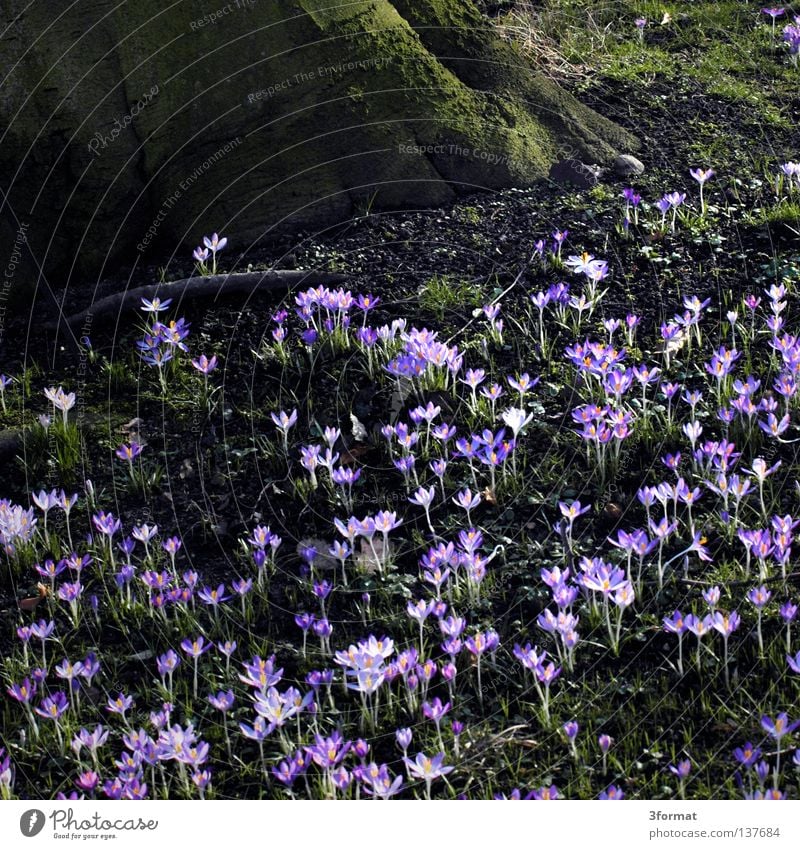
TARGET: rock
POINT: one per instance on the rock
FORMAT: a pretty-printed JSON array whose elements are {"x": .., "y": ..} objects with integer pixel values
[
  {"x": 574, "y": 172},
  {"x": 626, "y": 165}
]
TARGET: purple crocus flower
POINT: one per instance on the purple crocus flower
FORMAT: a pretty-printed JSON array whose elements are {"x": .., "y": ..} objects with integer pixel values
[
  {"x": 699, "y": 627},
  {"x": 120, "y": 705},
  {"x": 214, "y": 244},
  {"x": 213, "y": 597},
  {"x": 701, "y": 175},
  {"x": 762, "y": 771},
  {"x": 53, "y": 707},
  {"x": 106, "y": 523},
  {"x": 726, "y": 623},
  {"x": 87, "y": 781},
  {"x": 167, "y": 664},
  {"x": 435, "y": 710},
  {"x": 23, "y": 692},
  {"x": 403, "y": 737},
  {"x": 675, "y": 198},
  {"x": 427, "y": 769},
  {"x": 156, "y": 305},
  {"x": 747, "y": 755},
  {"x": 328, "y": 752},
  {"x": 197, "y": 647},
  {"x": 773, "y": 12},
  {"x": 204, "y": 365},
  {"x": 780, "y": 726},
  {"x": 759, "y": 596},
  {"x": 613, "y": 793},
  {"x": 129, "y": 452},
  {"x": 546, "y": 793},
  {"x": 682, "y": 769}
]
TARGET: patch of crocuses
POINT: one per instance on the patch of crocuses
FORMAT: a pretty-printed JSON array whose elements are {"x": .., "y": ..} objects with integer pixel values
[{"x": 453, "y": 599}]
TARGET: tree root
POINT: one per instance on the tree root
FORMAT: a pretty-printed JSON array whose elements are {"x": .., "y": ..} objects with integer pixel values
[{"x": 212, "y": 286}]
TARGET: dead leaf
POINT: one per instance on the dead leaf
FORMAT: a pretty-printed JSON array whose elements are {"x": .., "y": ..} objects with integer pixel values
[
  {"x": 220, "y": 527},
  {"x": 145, "y": 654},
  {"x": 132, "y": 432},
  {"x": 29, "y": 604},
  {"x": 676, "y": 343},
  {"x": 359, "y": 431},
  {"x": 488, "y": 495}
]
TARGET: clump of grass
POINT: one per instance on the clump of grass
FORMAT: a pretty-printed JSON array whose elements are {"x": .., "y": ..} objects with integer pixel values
[
  {"x": 443, "y": 294},
  {"x": 785, "y": 214}
]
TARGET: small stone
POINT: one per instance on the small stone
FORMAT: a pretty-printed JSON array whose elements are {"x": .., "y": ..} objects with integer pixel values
[
  {"x": 626, "y": 165},
  {"x": 574, "y": 172}
]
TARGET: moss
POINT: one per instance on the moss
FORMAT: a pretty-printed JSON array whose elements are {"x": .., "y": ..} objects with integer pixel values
[
  {"x": 325, "y": 14},
  {"x": 485, "y": 63}
]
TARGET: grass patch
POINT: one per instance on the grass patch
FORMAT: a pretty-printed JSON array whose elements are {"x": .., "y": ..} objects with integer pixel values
[{"x": 443, "y": 294}]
